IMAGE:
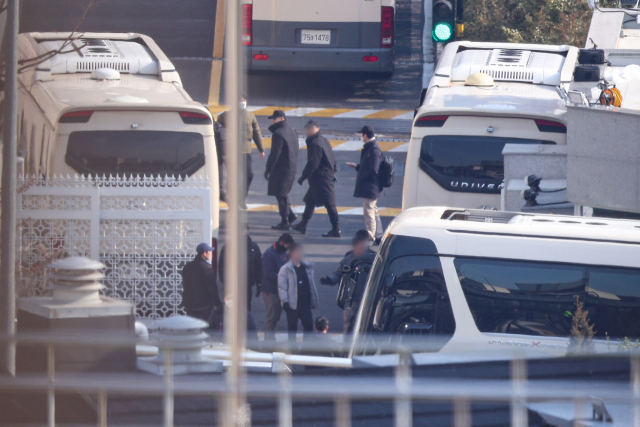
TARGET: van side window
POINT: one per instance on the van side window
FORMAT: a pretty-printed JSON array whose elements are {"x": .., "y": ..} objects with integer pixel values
[
  {"x": 538, "y": 298},
  {"x": 414, "y": 298},
  {"x": 613, "y": 301}
]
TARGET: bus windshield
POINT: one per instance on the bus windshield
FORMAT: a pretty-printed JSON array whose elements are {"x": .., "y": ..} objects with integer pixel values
[{"x": 473, "y": 159}]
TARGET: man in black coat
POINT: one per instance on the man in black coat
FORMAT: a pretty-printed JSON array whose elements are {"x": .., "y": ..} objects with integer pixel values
[
  {"x": 200, "y": 291},
  {"x": 281, "y": 166},
  {"x": 220, "y": 135},
  {"x": 368, "y": 186},
  {"x": 321, "y": 173},
  {"x": 254, "y": 268}
]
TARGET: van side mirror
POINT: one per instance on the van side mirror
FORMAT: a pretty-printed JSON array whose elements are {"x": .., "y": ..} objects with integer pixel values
[
  {"x": 416, "y": 328},
  {"x": 383, "y": 313}
]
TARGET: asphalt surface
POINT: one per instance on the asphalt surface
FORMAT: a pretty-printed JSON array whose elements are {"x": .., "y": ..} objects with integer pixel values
[{"x": 184, "y": 31}]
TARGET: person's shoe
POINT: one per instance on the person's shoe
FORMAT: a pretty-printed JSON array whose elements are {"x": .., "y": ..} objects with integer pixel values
[
  {"x": 377, "y": 241},
  {"x": 334, "y": 232},
  {"x": 292, "y": 217},
  {"x": 284, "y": 225},
  {"x": 300, "y": 227}
]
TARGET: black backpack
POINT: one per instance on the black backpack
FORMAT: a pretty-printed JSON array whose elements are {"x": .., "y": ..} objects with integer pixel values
[{"x": 385, "y": 172}]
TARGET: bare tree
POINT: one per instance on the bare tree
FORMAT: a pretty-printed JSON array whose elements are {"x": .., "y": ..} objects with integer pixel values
[{"x": 67, "y": 45}]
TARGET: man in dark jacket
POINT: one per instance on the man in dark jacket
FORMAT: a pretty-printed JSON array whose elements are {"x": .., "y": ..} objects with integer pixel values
[
  {"x": 321, "y": 173},
  {"x": 254, "y": 268},
  {"x": 368, "y": 186},
  {"x": 220, "y": 135},
  {"x": 251, "y": 132},
  {"x": 272, "y": 261},
  {"x": 359, "y": 247},
  {"x": 200, "y": 291},
  {"x": 281, "y": 166}
]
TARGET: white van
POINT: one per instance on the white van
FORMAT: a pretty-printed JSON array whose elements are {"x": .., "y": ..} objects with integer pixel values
[
  {"x": 486, "y": 280},
  {"x": 322, "y": 35},
  {"x": 481, "y": 97},
  {"x": 111, "y": 104}
]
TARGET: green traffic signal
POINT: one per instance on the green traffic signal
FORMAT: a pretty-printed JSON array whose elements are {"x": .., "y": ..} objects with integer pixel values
[{"x": 442, "y": 32}]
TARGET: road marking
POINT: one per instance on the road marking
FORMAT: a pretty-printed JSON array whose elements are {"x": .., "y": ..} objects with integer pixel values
[
  {"x": 298, "y": 209},
  {"x": 349, "y": 145},
  {"x": 386, "y": 114},
  {"x": 356, "y": 114},
  {"x": 342, "y": 113},
  {"x": 405, "y": 116},
  {"x": 354, "y": 145},
  {"x": 402, "y": 148},
  {"x": 218, "y": 52}
]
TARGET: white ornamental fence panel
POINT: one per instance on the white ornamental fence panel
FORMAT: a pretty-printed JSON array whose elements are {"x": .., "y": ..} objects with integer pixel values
[{"x": 143, "y": 229}]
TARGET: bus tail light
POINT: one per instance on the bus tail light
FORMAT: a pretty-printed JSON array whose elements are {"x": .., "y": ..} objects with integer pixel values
[
  {"x": 387, "y": 27},
  {"x": 76, "y": 117},
  {"x": 550, "y": 126},
  {"x": 370, "y": 58},
  {"x": 247, "y": 24},
  {"x": 260, "y": 56},
  {"x": 431, "y": 121},
  {"x": 191, "y": 118}
]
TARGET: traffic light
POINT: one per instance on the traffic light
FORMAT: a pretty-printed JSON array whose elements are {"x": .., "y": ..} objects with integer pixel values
[{"x": 444, "y": 21}]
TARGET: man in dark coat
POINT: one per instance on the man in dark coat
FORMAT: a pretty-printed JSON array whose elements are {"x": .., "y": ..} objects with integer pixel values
[
  {"x": 251, "y": 133},
  {"x": 359, "y": 247},
  {"x": 281, "y": 166},
  {"x": 220, "y": 135},
  {"x": 321, "y": 173},
  {"x": 254, "y": 268},
  {"x": 368, "y": 186},
  {"x": 200, "y": 291}
]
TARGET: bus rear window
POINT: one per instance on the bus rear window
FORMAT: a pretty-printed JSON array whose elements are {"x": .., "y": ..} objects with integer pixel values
[
  {"x": 136, "y": 152},
  {"x": 467, "y": 163}
]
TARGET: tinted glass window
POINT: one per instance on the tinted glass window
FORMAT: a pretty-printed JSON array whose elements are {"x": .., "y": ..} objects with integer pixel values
[
  {"x": 535, "y": 298},
  {"x": 136, "y": 152},
  {"x": 521, "y": 297},
  {"x": 474, "y": 159},
  {"x": 407, "y": 293},
  {"x": 413, "y": 298},
  {"x": 613, "y": 301}
]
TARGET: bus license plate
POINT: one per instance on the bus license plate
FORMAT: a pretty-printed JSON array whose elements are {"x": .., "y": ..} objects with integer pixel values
[{"x": 316, "y": 36}]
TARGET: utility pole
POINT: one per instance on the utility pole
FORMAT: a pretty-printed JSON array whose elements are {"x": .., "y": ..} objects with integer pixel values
[{"x": 9, "y": 182}]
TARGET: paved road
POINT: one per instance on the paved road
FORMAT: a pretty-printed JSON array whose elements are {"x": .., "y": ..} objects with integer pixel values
[
  {"x": 184, "y": 30},
  {"x": 324, "y": 253}
]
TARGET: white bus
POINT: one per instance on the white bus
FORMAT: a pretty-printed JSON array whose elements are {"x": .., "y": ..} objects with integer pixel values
[
  {"x": 113, "y": 105},
  {"x": 323, "y": 35},
  {"x": 487, "y": 280},
  {"x": 481, "y": 97}
]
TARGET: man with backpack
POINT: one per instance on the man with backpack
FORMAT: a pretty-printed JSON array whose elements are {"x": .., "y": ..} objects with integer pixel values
[{"x": 368, "y": 185}]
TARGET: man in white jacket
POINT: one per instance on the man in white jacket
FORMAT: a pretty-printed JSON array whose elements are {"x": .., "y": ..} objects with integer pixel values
[{"x": 297, "y": 291}]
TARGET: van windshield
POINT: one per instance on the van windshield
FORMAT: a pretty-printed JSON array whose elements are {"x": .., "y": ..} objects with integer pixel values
[
  {"x": 467, "y": 163},
  {"x": 136, "y": 152}
]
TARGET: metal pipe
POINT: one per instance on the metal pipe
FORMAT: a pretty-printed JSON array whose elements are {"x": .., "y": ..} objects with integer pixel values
[
  {"x": 102, "y": 409},
  {"x": 235, "y": 240},
  {"x": 51, "y": 393},
  {"x": 9, "y": 182},
  {"x": 168, "y": 403}
]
